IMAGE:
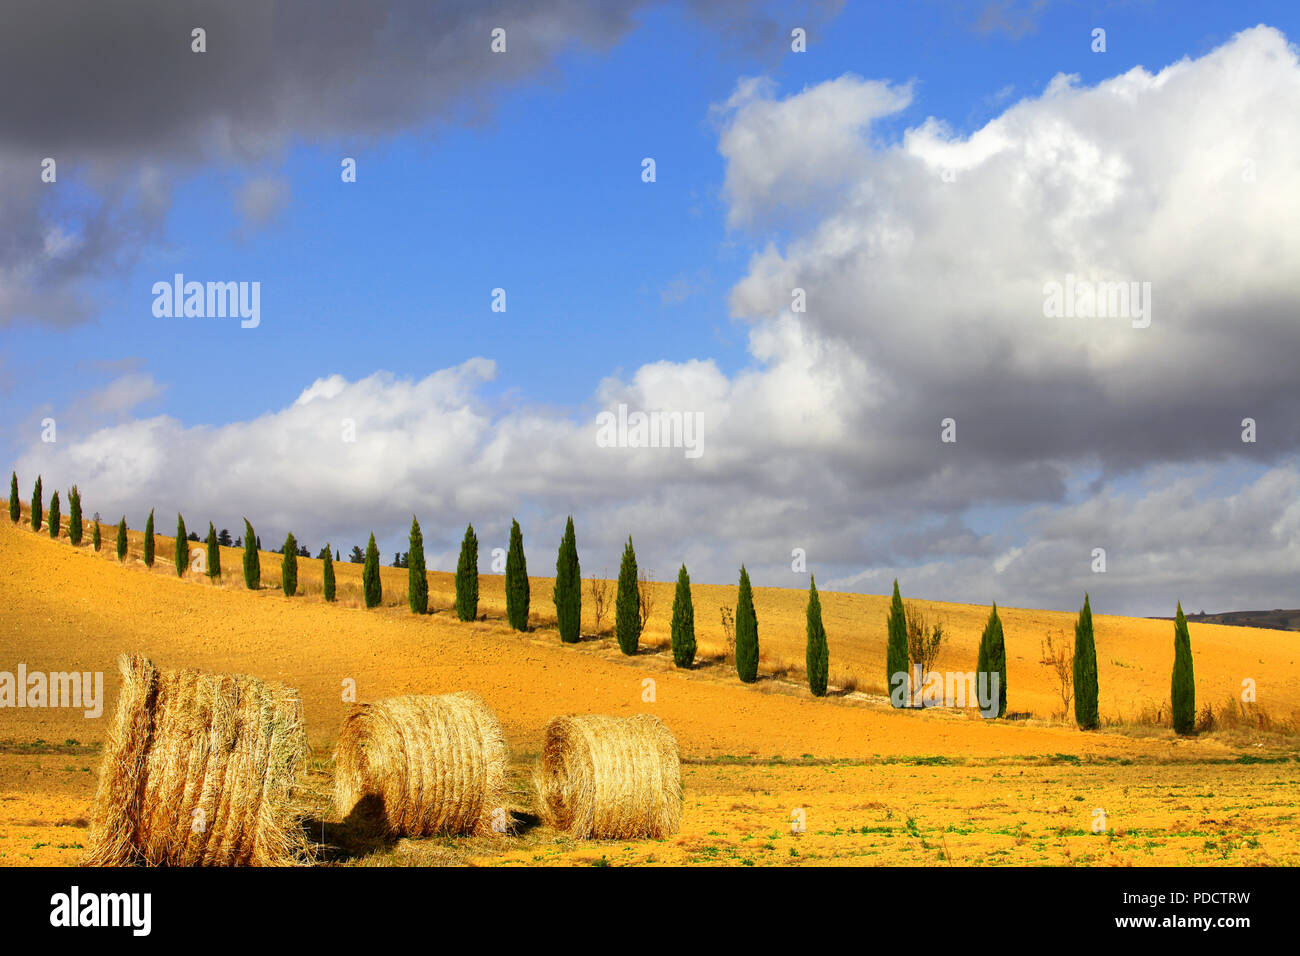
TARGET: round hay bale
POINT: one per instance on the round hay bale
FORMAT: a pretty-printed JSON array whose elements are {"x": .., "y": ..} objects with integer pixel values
[
  {"x": 199, "y": 770},
  {"x": 437, "y": 764},
  {"x": 610, "y": 777}
]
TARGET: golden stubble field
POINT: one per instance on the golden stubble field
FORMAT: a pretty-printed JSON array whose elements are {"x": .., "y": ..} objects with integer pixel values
[{"x": 869, "y": 784}]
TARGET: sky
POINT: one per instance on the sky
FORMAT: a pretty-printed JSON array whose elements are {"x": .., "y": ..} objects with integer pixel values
[{"x": 844, "y": 257}]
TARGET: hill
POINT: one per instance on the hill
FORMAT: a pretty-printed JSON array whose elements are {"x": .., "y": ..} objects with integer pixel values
[{"x": 752, "y": 752}]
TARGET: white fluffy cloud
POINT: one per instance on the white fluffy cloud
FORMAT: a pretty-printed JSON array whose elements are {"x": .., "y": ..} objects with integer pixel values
[
  {"x": 1184, "y": 178},
  {"x": 925, "y": 300}
]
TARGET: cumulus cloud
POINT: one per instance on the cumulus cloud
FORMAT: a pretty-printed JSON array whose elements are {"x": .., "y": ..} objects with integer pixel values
[
  {"x": 932, "y": 268},
  {"x": 766, "y": 142}
]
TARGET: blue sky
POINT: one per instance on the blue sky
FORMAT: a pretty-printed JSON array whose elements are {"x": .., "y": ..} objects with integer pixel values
[
  {"x": 540, "y": 193},
  {"x": 544, "y": 199}
]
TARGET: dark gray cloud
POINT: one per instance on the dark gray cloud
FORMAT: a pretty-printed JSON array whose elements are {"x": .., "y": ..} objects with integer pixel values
[
  {"x": 116, "y": 96},
  {"x": 121, "y": 81}
]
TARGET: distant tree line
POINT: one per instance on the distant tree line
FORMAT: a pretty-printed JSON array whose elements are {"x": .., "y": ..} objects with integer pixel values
[{"x": 912, "y": 644}]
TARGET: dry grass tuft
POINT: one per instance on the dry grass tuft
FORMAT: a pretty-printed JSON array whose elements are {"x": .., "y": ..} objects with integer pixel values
[
  {"x": 610, "y": 777},
  {"x": 199, "y": 770},
  {"x": 437, "y": 764},
  {"x": 1236, "y": 715}
]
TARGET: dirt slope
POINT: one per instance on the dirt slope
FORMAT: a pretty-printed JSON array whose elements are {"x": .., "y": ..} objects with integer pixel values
[
  {"x": 877, "y": 785},
  {"x": 69, "y": 608}
]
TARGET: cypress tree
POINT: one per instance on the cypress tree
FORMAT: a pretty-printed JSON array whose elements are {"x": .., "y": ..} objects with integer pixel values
[
  {"x": 1182, "y": 691},
  {"x": 252, "y": 560},
  {"x": 746, "y": 631},
  {"x": 74, "y": 515},
  {"x": 94, "y": 535},
  {"x": 817, "y": 656},
  {"x": 15, "y": 510},
  {"x": 896, "y": 653},
  {"x": 328, "y": 575},
  {"x": 182, "y": 547},
  {"x": 517, "y": 597},
  {"x": 370, "y": 583},
  {"x": 214, "y": 553},
  {"x": 568, "y": 587},
  {"x": 55, "y": 522},
  {"x": 289, "y": 567},
  {"x": 627, "y": 606},
  {"x": 417, "y": 586},
  {"x": 37, "y": 505},
  {"x": 121, "y": 539},
  {"x": 992, "y": 659},
  {"x": 467, "y": 577},
  {"x": 1085, "y": 670},
  {"x": 683, "y": 626},
  {"x": 148, "y": 540}
]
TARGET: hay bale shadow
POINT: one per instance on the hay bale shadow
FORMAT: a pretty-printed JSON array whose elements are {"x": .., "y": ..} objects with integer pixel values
[
  {"x": 524, "y": 823},
  {"x": 363, "y": 832}
]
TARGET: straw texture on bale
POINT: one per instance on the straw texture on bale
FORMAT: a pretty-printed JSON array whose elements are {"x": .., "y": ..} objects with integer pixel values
[
  {"x": 610, "y": 777},
  {"x": 199, "y": 771},
  {"x": 437, "y": 764}
]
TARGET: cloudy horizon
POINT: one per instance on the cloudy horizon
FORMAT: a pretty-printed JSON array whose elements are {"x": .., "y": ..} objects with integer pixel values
[{"x": 840, "y": 271}]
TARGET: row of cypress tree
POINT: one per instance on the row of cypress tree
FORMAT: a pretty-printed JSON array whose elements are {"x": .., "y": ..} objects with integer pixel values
[
  {"x": 76, "y": 526},
  {"x": 567, "y": 592},
  {"x": 992, "y": 659},
  {"x": 1182, "y": 683},
  {"x": 567, "y": 595}
]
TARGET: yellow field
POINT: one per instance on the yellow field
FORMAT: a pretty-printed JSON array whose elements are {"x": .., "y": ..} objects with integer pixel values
[{"x": 875, "y": 785}]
